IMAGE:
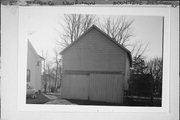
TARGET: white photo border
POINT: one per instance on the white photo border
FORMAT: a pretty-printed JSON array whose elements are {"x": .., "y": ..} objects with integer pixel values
[{"x": 108, "y": 10}]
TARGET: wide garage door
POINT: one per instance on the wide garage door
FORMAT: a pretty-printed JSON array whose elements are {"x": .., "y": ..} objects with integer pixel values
[
  {"x": 75, "y": 86},
  {"x": 106, "y": 87},
  {"x": 93, "y": 86}
]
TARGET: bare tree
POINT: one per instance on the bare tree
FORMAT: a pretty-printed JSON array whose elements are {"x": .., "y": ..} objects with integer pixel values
[
  {"x": 44, "y": 71},
  {"x": 74, "y": 26},
  {"x": 118, "y": 29},
  {"x": 155, "y": 69},
  {"x": 138, "y": 49},
  {"x": 57, "y": 72},
  {"x": 48, "y": 74},
  {"x": 121, "y": 30},
  {"x": 138, "y": 65}
]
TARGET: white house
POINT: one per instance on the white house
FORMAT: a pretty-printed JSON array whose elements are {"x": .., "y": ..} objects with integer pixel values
[
  {"x": 33, "y": 68},
  {"x": 95, "y": 67}
]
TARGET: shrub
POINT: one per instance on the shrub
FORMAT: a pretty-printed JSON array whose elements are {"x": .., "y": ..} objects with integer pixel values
[{"x": 141, "y": 85}]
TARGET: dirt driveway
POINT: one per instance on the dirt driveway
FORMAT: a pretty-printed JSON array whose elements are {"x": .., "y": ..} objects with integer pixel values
[
  {"x": 57, "y": 100},
  {"x": 60, "y": 102}
]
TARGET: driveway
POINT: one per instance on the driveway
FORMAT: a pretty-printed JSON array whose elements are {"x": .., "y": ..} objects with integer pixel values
[
  {"x": 50, "y": 97},
  {"x": 57, "y": 100},
  {"x": 60, "y": 102}
]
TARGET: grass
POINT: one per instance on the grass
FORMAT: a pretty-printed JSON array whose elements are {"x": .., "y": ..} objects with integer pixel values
[
  {"x": 41, "y": 99},
  {"x": 127, "y": 102},
  {"x": 142, "y": 102}
]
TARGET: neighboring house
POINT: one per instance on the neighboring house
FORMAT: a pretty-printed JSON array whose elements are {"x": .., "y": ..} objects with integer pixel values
[
  {"x": 95, "y": 67},
  {"x": 33, "y": 68}
]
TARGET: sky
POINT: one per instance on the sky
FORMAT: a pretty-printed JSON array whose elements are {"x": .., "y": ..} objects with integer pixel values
[{"x": 42, "y": 24}]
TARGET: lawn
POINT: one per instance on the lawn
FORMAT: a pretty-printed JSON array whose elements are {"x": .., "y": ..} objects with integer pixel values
[
  {"x": 128, "y": 102},
  {"x": 87, "y": 102},
  {"x": 140, "y": 101},
  {"x": 41, "y": 99}
]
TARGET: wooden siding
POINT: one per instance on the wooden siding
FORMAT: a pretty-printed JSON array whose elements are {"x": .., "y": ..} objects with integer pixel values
[
  {"x": 107, "y": 88},
  {"x": 75, "y": 86},
  {"x": 94, "y": 52},
  {"x": 95, "y": 68},
  {"x": 96, "y": 87}
]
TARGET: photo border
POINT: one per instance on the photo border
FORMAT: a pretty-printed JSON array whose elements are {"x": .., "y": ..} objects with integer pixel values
[{"x": 108, "y": 10}]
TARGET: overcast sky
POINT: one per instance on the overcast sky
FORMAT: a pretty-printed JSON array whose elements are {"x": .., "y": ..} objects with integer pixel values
[{"x": 41, "y": 25}]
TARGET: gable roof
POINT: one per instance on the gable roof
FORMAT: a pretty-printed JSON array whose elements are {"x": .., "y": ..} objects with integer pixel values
[
  {"x": 102, "y": 32},
  {"x": 31, "y": 47}
]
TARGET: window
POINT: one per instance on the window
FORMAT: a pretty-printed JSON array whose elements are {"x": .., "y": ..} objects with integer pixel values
[
  {"x": 28, "y": 75},
  {"x": 38, "y": 63}
]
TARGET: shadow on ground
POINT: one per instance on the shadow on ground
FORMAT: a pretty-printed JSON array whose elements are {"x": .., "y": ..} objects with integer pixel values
[
  {"x": 128, "y": 102},
  {"x": 142, "y": 102},
  {"x": 87, "y": 102}
]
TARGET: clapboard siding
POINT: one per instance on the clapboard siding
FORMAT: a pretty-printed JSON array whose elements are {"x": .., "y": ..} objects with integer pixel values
[
  {"x": 75, "y": 86},
  {"x": 106, "y": 88},
  {"x": 94, "y": 52}
]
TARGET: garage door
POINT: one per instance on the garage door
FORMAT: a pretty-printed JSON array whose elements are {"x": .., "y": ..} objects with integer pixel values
[
  {"x": 75, "y": 86},
  {"x": 106, "y": 87}
]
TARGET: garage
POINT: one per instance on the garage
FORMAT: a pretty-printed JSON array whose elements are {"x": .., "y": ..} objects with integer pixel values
[{"x": 95, "y": 67}]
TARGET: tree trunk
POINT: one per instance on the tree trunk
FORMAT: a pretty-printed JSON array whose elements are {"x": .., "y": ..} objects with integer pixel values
[{"x": 56, "y": 76}]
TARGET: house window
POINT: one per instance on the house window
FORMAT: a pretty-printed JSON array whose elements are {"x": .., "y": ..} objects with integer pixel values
[
  {"x": 28, "y": 75},
  {"x": 38, "y": 63}
]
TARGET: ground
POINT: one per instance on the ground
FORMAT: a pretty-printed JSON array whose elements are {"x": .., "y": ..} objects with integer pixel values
[
  {"x": 54, "y": 98},
  {"x": 61, "y": 101},
  {"x": 41, "y": 99}
]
